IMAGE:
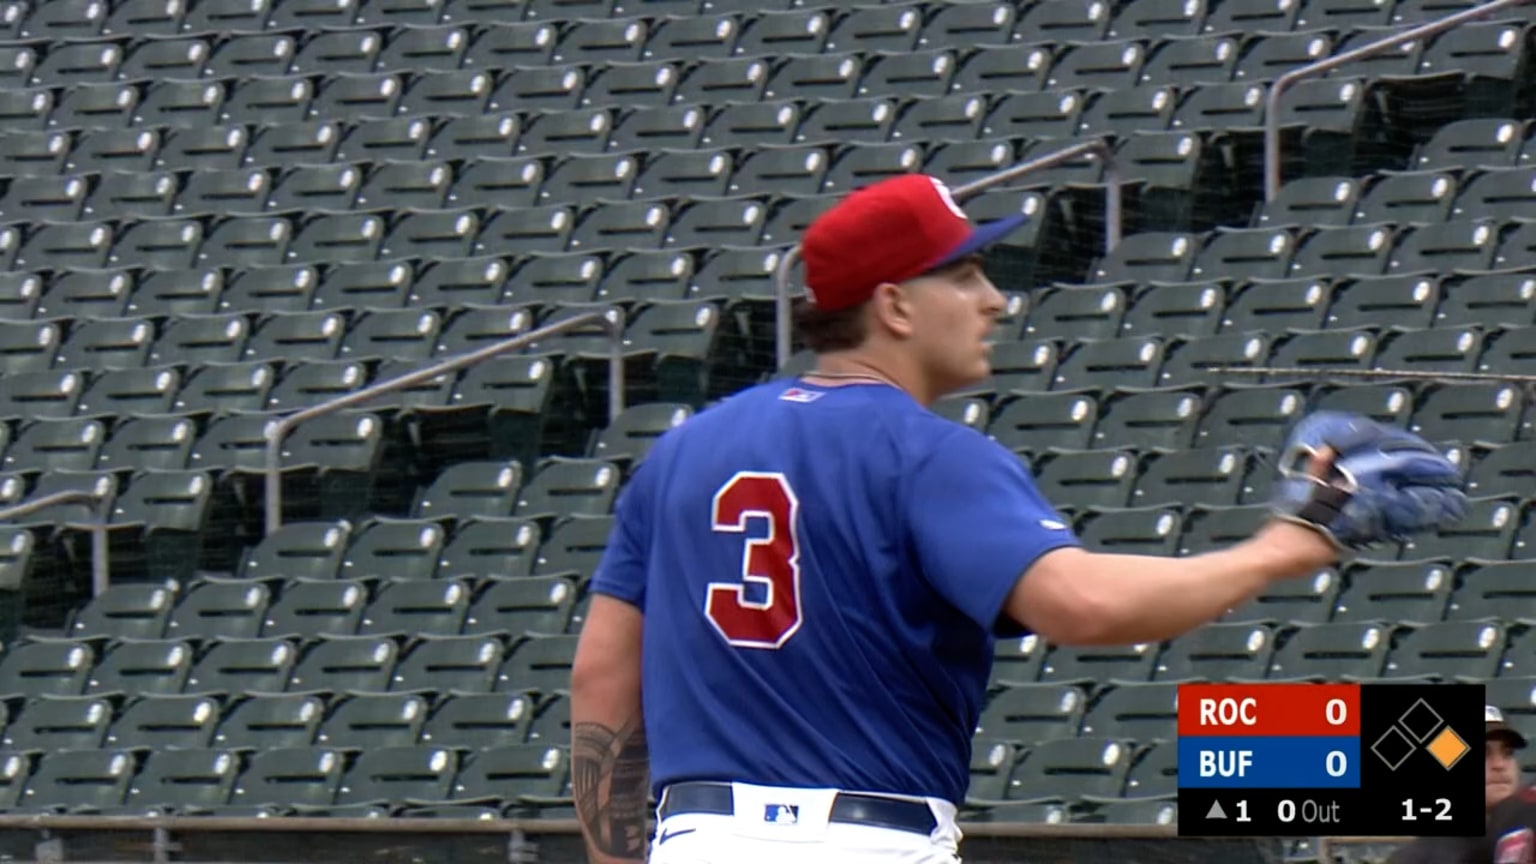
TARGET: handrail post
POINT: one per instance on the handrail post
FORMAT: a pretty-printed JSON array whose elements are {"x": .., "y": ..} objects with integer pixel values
[
  {"x": 101, "y": 570},
  {"x": 1284, "y": 82},
  {"x": 1113, "y": 221},
  {"x": 277, "y": 431}
]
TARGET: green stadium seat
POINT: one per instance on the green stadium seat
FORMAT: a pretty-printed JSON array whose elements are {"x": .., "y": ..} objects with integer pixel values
[
  {"x": 125, "y": 611},
  {"x": 487, "y": 548},
  {"x": 538, "y": 663},
  {"x": 449, "y": 664},
  {"x": 574, "y": 546},
  {"x": 991, "y": 763},
  {"x": 395, "y": 774},
  {"x": 185, "y": 781},
  {"x": 305, "y": 385},
  {"x": 317, "y": 607},
  {"x": 1154, "y": 774},
  {"x": 1131, "y": 812},
  {"x": 133, "y": 392},
  {"x": 340, "y": 664},
  {"x": 274, "y": 288},
  {"x": 1088, "y": 478},
  {"x": 56, "y": 445},
  {"x": 435, "y": 607},
  {"x": 1187, "y": 60},
  {"x": 297, "y": 550},
  {"x": 1444, "y": 349},
  {"x": 479, "y": 721},
  {"x": 1333, "y": 652},
  {"x": 1135, "y": 530},
  {"x": 291, "y": 777},
  {"x": 1076, "y": 21},
  {"x": 1090, "y": 664},
  {"x": 1063, "y": 419},
  {"x": 1413, "y": 592},
  {"x": 1155, "y": 19},
  {"x": 1483, "y": 142},
  {"x": 523, "y": 604},
  {"x": 470, "y": 490},
  {"x": 521, "y": 773},
  {"x": 1463, "y": 245},
  {"x": 1213, "y": 476},
  {"x": 47, "y": 668},
  {"x": 1174, "y": 310},
  {"x": 1164, "y": 417},
  {"x": 372, "y": 721},
  {"x": 1503, "y": 469},
  {"x": 147, "y": 667},
  {"x": 50, "y": 723},
  {"x": 1388, "y": 403},
  {"x": 270, "y": 722},
  {"x": 1446, "y": 651},
  {"x": 1304, "y": 601},
  {"x": 1388, "y": 301},
  {"x": 243, "y": 665},
  {"x": 144, "y": 18},
  {"x": 1139, "y": 711},
  {"x": 1217, "y": 652},
  {"x": 80, "y": 781},
  {"x": 165, "y": 723},
  {"x": 568, "y": 487},
  {"x": 1471, "y": 411},
  {"x": 1030, "y": 713},
  {"x": 1070, "y": 768},
  {"x": 394, "y": 549},
  {"x": 966, "y": 411},
  {"x": 1487, "y": 531}
]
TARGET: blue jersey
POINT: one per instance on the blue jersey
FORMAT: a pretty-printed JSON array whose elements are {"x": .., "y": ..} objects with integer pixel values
[{"x": 822, "y": 573}]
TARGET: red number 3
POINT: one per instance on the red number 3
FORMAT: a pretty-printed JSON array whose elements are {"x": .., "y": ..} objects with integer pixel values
[{"x": 772, "y": 561}]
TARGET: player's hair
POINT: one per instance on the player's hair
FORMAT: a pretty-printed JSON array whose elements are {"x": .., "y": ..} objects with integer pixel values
[
  {"x": 846, "y": 329},
  {"x": 825, "y": 332}
]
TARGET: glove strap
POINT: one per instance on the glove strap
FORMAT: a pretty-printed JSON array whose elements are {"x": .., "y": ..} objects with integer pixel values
[{"x": 1325, "y": 505}]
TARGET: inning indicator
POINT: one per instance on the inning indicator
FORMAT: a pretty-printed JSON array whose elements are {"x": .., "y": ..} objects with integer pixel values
[{"x": 1338, "y": 759}]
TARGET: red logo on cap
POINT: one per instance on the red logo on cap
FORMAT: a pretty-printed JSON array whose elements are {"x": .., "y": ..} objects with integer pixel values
[{"x": 889, "y": 231}]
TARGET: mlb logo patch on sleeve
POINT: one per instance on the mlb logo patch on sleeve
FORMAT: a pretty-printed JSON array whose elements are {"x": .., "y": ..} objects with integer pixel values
[
  {"x": 781, "y": 814},
  {"x": 795, "y": 394}
]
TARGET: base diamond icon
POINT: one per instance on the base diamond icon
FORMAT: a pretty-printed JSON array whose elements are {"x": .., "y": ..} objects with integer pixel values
[
  {"x": 1393, "y": 748},
  {"x": 1420, "y": 721}
]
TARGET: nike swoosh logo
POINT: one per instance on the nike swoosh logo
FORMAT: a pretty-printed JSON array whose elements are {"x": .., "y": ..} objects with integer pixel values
[{"x": 668, "y": 835}]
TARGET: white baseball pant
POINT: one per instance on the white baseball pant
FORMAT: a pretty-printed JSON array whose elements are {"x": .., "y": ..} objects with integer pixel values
[{"x": 772, "y": 825}]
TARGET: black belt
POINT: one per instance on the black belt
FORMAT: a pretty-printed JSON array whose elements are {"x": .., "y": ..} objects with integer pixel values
[{"x": 847, "y": 807}]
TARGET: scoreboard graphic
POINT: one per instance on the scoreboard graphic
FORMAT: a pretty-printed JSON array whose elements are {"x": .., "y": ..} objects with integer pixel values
[{"x": 1368, "y": 760}]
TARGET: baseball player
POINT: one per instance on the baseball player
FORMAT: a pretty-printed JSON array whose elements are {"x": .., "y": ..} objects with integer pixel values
[
  {"x": 1512, "y": 803},
  {"x": 792, "y": 627}
]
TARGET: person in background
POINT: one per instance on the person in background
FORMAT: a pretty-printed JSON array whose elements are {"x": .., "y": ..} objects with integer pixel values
[{"x": 1501, "y": 784}]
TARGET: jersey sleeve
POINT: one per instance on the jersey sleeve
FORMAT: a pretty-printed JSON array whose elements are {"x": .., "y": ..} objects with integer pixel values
[
  {"x": 621, "y": 572},
  {"x": 976, "y": 522}
]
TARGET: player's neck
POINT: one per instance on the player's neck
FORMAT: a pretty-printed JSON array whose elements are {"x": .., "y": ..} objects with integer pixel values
[{"x": 838, "y": 369}]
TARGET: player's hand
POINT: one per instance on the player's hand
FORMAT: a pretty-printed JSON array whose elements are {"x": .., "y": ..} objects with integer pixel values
[{"x": 1358, "y": 482}]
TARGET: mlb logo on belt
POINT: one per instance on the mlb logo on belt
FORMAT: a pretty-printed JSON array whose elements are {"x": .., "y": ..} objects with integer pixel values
[{"x": 781, "y": 814}]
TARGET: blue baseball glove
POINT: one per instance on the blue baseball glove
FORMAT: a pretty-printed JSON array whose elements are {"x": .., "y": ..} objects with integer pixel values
[{"x": 1384, "y": 484}]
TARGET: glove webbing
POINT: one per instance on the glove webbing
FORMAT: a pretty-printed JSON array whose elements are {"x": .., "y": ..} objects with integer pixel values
[{"x": 1325, "y": 505}]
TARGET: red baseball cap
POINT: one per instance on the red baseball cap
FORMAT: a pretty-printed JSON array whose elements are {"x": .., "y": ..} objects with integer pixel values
[{"x": 889, "y": 231}]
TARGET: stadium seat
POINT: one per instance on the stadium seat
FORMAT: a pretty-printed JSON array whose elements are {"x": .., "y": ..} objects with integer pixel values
[
  {"x": 291, "y": 777},
  {"x": 372, "y": 721},
  {"x": 261, "y": 722},
  {"x": 341, "y": 664},
  {"x": 185, "y": 781},
  {"x": 1071, "y": 768},
  {"x": 165, "y": 723},
  {"x": 234, "y": 665},
  {"x": 1029, "y": 713},
  {"x": 80, "y": 781},
  {"x": 479, "y": 721},
  {"x": 539, "y": 663},
  {"x": 125, "y": 611},
  {"x": 449, "y": 664},
  {"x": 212, "y": 609},
  {"x": 1218, "y": 652},
  {"x": 148, "y": 667},
  {"x": 317, "y": 607},
  {"x": 1411, "y": 592},
  {"x": 51, "y": 723},
  {"x": 435, "y": 607},
  {"x": 1143, "y": 712},
  {"x": 1333, "y": 652},
  {"x": 523, "y": 773},
  {"x": 1447, "y": 651}
]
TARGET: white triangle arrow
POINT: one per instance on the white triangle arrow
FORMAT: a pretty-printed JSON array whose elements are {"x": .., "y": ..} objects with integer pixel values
[{"x": 1216, "y": 811}]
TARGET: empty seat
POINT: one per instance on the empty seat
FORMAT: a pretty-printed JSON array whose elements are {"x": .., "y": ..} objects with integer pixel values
[
  {"x": 479, "y": 721},
  {"x": 142, "y": 667},
  {"x": 1333, "y": 652},
  {"x": 1033, "y": 712},
  {"x": 269, "y": 722},
  {"x": 434, "y": 607},
  {"x": 339, "y": 664},
  {"x": 1412, "y": 592},
  {"x": 1448, "y": 651},
  {"x": 53, "y": 668},
  {"x": 185, "y": 781},
  {"x": 243, "y": 666},
  {"x": 1238, "y": 651},
  {"x": 125, "y": 611},
  {"x": 80, "y": 781},
  {"x": 485, "y": 548},
  {"x": 166, "y": 722},
  {"x": 449, "y": 664},
  {"x": 1137, "y": 711},
  {"x": 1071, "y": 768},
  {"x": 368, "y": 721},
  {"x": 288, "y": 777},
  {"x": 317, "y": 607},
  {"x": 49, "y": 723}
]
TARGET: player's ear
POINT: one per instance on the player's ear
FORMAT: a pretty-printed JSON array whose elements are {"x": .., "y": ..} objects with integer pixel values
[{"x": 893, "y": 309}]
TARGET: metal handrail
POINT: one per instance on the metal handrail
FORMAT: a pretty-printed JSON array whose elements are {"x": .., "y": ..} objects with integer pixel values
[
  {"x": 1281, "y": 84},
  {"x": 1113, "y": 221},
  {"x": 100, "y": 569},
  {"x": 612, "y": 321}
]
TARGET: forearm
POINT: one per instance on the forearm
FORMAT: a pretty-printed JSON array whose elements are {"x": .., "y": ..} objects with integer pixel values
[
  {"x": 609, "y": 781},
  {"x": 1160, "y": 598},
  {"x": 1109, "y": 599},
  {"x": 609, "y": 758}
]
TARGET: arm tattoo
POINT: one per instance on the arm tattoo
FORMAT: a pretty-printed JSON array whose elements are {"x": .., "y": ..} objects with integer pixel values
[{"x": 609, "y": 783}]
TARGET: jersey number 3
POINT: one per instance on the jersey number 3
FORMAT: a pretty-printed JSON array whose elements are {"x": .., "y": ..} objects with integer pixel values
[{"x": 771, "y": 561}]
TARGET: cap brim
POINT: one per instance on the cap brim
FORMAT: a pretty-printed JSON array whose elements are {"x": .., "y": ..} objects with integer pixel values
[
  {"x": 1516, "y": 740},
  {"x": 983, "y": 236}
]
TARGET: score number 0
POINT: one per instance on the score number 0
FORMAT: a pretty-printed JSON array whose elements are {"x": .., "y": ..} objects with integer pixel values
[{"x": 1335, "y": 711}]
